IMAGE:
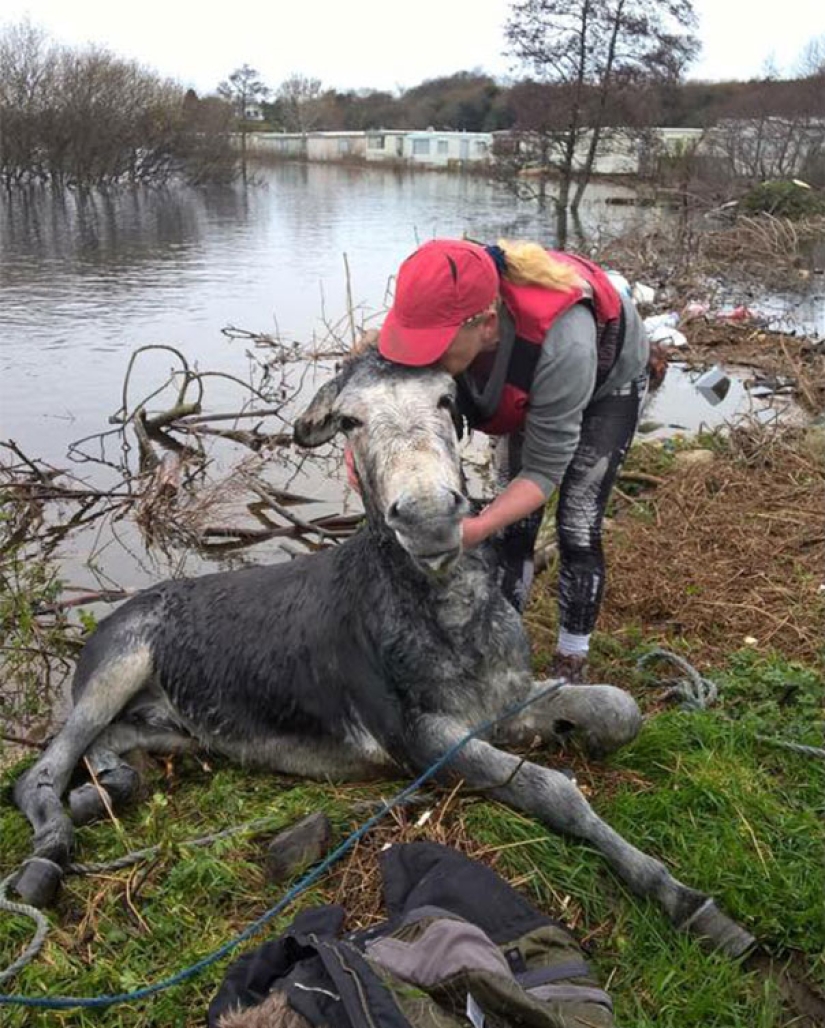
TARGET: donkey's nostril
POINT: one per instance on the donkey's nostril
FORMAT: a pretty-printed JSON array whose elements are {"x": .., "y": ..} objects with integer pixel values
[
  {"x": 412, "y": 508},
  {"x": 401, "y": 509}
]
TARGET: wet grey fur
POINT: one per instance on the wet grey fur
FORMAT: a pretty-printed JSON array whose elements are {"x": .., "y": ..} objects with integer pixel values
[{"x": 379, "y": 653}]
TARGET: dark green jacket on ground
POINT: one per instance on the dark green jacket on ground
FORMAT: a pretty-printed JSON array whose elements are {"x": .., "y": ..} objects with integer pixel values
[{"x": 460, "y": 947}]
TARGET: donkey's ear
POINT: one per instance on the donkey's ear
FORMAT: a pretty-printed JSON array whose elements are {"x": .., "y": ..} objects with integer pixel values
[{"x": 319, "y": 422}]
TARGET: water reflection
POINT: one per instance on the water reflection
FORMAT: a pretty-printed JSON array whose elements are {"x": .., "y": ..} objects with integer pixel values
[
  {"x": 86, "y": 280},
  {"x": 81, "y": 234}
]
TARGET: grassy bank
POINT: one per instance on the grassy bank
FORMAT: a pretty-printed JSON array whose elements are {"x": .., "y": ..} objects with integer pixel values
[{"x": 733, "y": 815}]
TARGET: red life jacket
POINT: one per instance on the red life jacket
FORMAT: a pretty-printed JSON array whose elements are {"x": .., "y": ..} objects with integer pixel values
[{"x": 533, "y": 310}]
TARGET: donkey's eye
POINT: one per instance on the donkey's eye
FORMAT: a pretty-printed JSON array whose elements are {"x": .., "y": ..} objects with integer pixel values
[
  {"x": 446, "y": 402},
  {"x": 349, "y": 423}
]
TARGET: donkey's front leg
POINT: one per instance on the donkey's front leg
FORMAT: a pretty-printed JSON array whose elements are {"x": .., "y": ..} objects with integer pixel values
[
  {"x": 552, "y": 798},
  {"x": 601, "y": 718}
]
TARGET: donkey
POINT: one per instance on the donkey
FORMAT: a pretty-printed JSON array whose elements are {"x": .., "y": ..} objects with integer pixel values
[{"x": 373, "y": 656}]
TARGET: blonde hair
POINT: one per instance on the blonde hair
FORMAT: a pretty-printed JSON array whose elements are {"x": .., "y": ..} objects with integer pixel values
[{"x": 529, "y": 264}]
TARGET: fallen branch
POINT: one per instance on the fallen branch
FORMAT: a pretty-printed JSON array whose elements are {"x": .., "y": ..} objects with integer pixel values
[
  {"x": 101, "y": 596},
  {"x": 640, "y": 476},
  {"x": 307, "y": 526}
]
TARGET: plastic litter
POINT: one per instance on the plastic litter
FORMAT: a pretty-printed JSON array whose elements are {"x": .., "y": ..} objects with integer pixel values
[
  {"x": 694, "y": 310},
  {"x": 742, "y": 313},
  {"x": 640, "y": 293},
  {"x": 714, "y": 385},
  {"x": 669, "y": 320},
  {"x": 667, "y": 336},
  {"x": 770, "y": 385}
]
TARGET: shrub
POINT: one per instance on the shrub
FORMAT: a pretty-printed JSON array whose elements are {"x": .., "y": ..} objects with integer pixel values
[{"x": 784, "y": 199}]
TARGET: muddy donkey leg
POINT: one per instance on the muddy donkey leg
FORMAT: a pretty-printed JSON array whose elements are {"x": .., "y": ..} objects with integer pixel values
[
  {"x": 552, "y": 798},
  {"x": 601, "y": 718},
  {"x": 117, "y": 781},
  {"x": 37, "y": 793}
]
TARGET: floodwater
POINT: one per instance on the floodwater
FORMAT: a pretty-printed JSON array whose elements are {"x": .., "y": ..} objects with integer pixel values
[{"x": 84, "y": 282}]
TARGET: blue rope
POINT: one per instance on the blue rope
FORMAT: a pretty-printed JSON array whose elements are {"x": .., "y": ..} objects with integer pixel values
[{"x": 69, "y": 1002}]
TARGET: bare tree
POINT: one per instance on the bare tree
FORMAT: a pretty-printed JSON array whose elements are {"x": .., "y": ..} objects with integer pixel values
[
  {"x": 207, "y": 145},
  {"x": 298, "y": 96},
  {"x": 27, "y": 69},
  {"x": 86, "y": 118},
  {"x": 591, "y": 50},
  {"x": 811, "y": 62},
  {"x": 524, "y": 158},
  {"x": 776, "y": 129},
  {"x": 242, "y": 89}
]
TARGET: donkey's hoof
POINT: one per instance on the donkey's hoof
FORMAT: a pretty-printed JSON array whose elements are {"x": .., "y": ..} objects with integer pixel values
[
  {"x": 55, "y": 841},
  {"x": 87, "y": 803},
  {"x": 721, "y": 931},
  {"x": 39, "y": 882}
]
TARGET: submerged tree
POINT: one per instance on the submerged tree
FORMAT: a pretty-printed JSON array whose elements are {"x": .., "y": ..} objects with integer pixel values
[
  {"x": 591, "y": 52},
  {"x": 298, "y": 102},
  {"x": 242, "y": 89},
  {"x": 84, "y": 117},
  {"x": 28, "y": 63}
]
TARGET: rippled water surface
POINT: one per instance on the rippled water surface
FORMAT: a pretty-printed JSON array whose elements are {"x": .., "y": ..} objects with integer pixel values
[{"x": 82, "y": 283}]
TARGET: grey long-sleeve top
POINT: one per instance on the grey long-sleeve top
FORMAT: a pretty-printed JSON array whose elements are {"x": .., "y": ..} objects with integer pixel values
[{"x": 563, "y": 386}]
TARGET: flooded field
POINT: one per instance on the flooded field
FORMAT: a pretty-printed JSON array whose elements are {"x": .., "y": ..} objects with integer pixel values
[{"x": 85, "y": 283}]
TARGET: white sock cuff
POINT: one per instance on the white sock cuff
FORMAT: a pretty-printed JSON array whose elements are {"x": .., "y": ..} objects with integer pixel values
[{"x": 571, "y": 645}]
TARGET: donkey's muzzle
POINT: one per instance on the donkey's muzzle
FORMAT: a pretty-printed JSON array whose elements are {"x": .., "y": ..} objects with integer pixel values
[
  {"x": 410, "y": 511},
  {"x": 428, "y": 526}
]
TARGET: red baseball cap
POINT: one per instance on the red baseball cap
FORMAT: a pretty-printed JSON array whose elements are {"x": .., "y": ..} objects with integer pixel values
[{"x": 439, "y": 287}]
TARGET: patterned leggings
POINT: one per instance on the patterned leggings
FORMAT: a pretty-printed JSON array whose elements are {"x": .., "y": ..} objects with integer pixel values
[{"x": 606, "y": 433}]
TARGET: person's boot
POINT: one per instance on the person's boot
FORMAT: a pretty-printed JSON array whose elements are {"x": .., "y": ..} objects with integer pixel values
[{"x": 571, "y": 667}]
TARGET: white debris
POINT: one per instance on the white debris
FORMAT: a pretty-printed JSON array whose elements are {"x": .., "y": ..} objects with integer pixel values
[
  {"x": 714, "y": 385},
  {"x": 640, "y": 293},
  {"x": 693, "y": 310},
  {"x": 667, "y": 336},
  {"x": 655, "y": 321}
]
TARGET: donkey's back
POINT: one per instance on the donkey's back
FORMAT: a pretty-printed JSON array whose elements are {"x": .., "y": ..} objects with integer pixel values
[{"x": 232, "y": 656}]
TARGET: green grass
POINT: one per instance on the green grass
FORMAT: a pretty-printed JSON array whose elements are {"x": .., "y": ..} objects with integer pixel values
[{"x": 729, "y": 815}]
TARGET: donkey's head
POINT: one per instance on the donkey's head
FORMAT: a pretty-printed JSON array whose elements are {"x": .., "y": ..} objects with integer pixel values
[{"x": 400, "y": 424}]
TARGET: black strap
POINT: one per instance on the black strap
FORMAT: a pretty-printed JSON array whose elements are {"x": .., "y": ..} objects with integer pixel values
[
  {"x": 523, "y": 361},
  {"x": 609, "y": 344}
]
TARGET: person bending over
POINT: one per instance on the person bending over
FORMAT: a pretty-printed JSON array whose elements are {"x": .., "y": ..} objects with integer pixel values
[{"x": 551, "y": 360}]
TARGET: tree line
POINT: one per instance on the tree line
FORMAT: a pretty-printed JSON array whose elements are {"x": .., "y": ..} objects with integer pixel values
[
  {"x": 472, "y": 101},
  {"x": 592, "y": 70},
  {"x": 597, "y": 76},
  {"x": 86, "y": 118}
]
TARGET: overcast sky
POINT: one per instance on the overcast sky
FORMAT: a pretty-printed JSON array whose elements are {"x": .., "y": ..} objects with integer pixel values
[{"x": 377, "y": 43}]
